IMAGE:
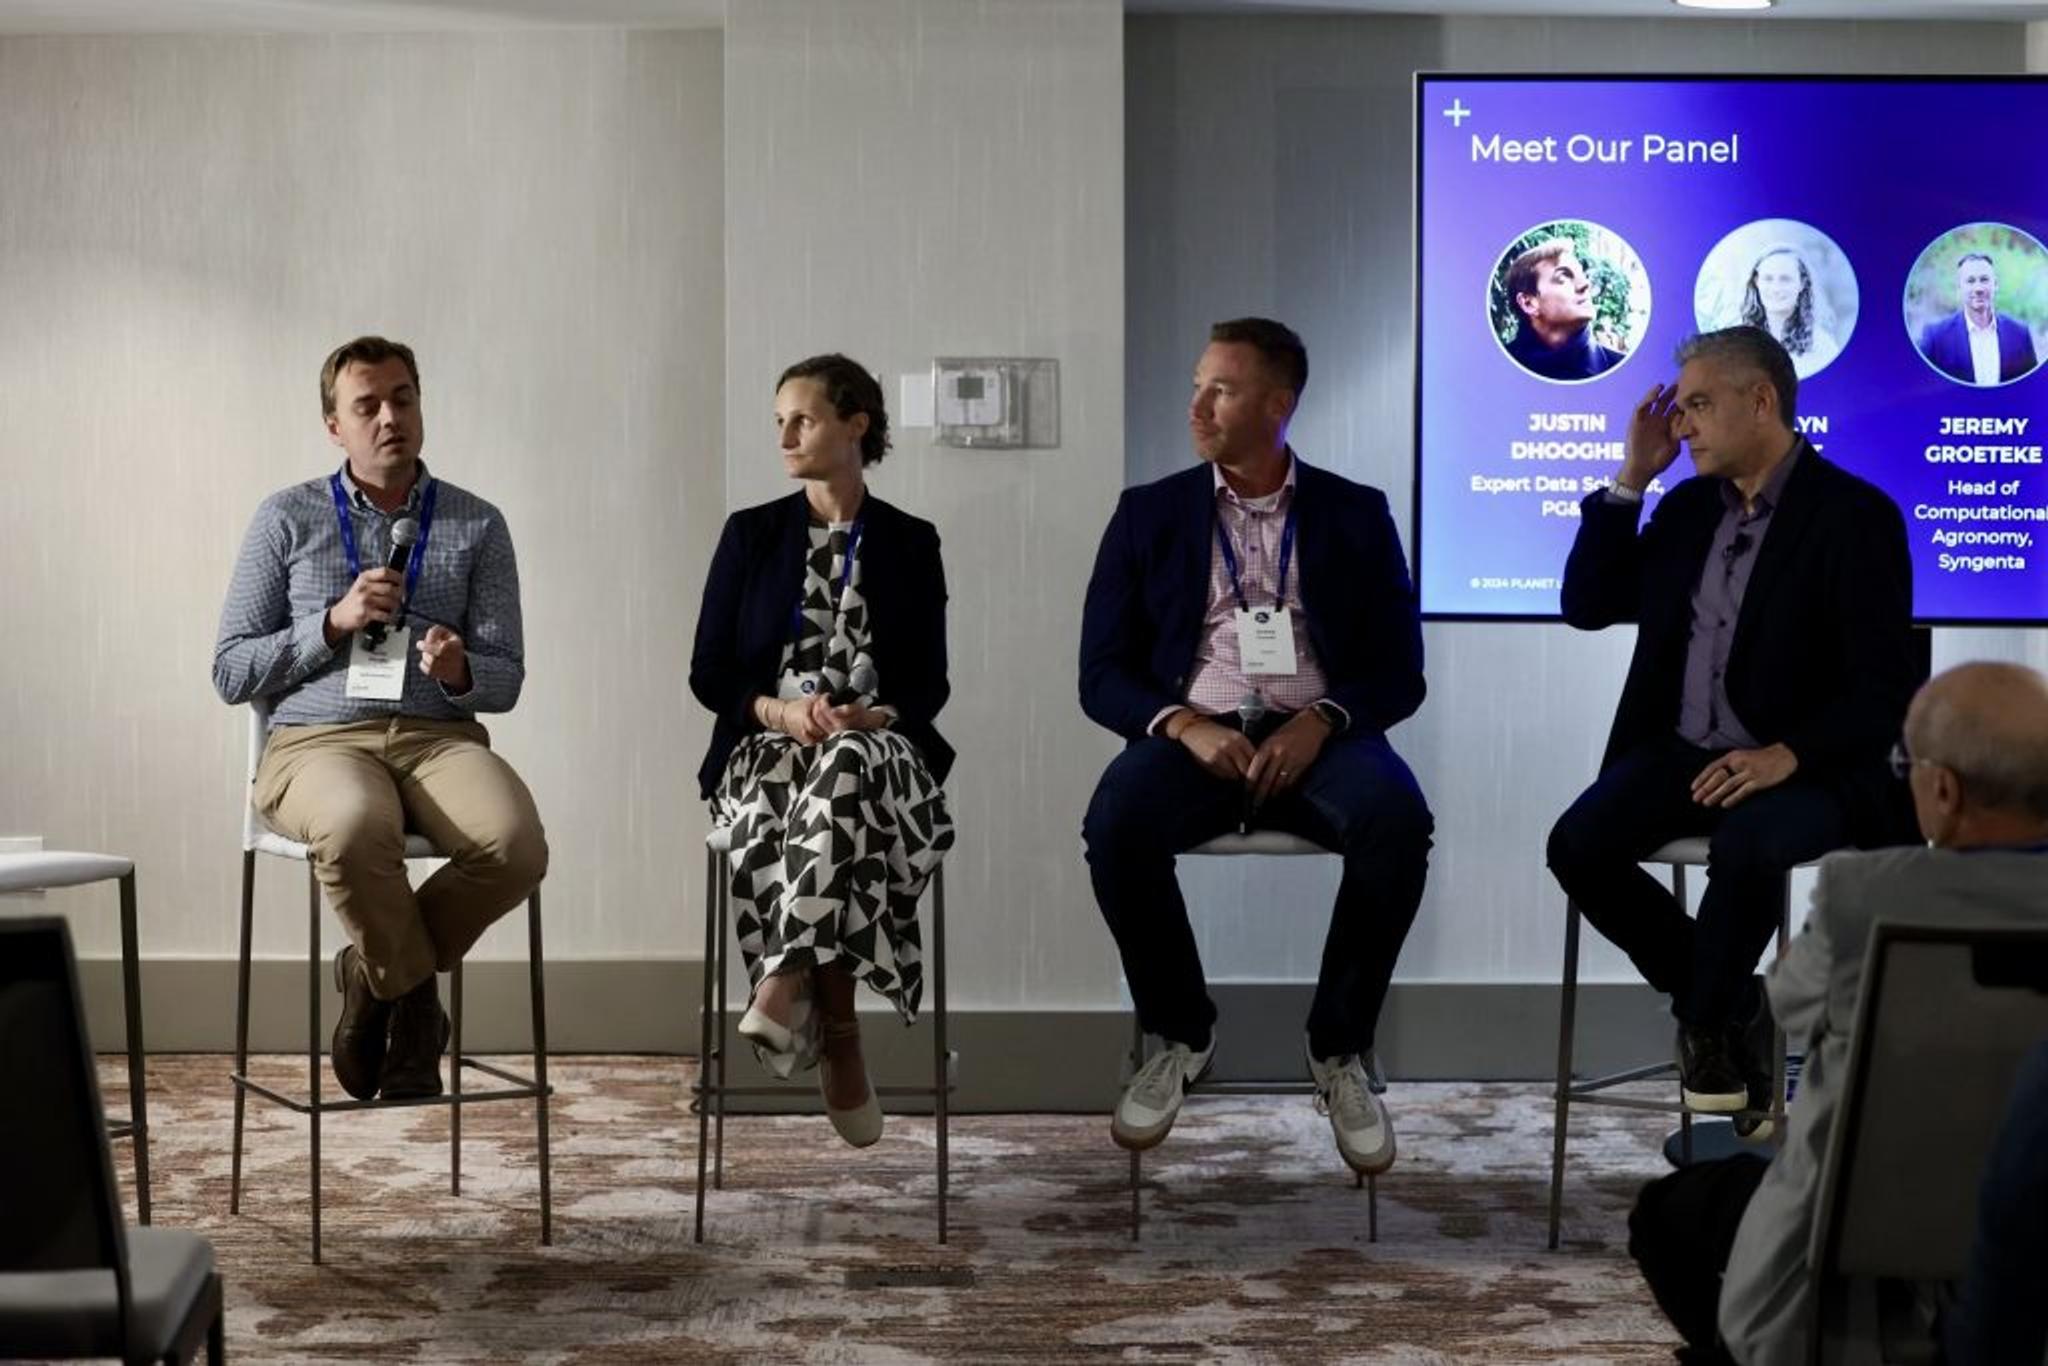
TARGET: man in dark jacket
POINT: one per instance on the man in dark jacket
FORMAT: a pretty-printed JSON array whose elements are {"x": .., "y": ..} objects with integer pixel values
[
  {"x": 1251, "y": 632},
  {"x": 1773, "y": 599}
]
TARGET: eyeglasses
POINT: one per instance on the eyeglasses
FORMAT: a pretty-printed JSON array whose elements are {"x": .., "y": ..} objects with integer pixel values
[{"x": 1902, "y": 760}]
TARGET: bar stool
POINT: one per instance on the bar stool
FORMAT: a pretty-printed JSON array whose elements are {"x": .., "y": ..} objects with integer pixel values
[
  {"x": 260, "y": 839},
  {"x": 1679, "y": 855},
  {"x": 1275, "y": 844},
  {"x": 711, "y": 1089},
  {"x": 47, "y": 869}
]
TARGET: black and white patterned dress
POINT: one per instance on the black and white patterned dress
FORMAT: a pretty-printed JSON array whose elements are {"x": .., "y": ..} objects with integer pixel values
[{"x": 832, "y": 843}]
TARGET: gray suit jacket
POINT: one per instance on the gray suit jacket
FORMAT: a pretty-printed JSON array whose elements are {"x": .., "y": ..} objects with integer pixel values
[{"x": 1814, "y": 991}]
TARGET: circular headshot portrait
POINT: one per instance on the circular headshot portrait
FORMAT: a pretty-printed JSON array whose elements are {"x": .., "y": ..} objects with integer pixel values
[
  {"x": 1787, "y": 277},
  {"x": 1977, "y": 303},
  {"x": 1568, "y": 301}
]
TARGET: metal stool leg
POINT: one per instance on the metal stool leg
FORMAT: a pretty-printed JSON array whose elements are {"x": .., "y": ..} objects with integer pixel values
[
  {"x": 1137, "y": 1159},
  {"x": 940, "y": 1057},
  {"x": 718, "y": 1023},
  {"x": 242, "y": 1025},
  {"x": 455, "y": 1083},
  {"x": 313, "y": 1042},
  {"x": 1567, "y": 1023},
  {"x": 131, "y": 994},
  {"x": 1777, "y": 1029},
  {"x": 535, "y": 971},
  {"x": 1685, "y": 1116},
  {"x": 704, "y": 1034}
]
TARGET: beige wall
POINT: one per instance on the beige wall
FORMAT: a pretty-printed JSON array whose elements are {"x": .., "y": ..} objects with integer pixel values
[
  {"x": 187, "y": 226},
  {"x": 911, "y": 178},
  {"x": 605, "y": 245}
]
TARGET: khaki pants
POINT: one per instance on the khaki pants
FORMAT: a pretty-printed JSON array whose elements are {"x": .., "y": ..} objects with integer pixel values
[{"x": 351, "y": 792}]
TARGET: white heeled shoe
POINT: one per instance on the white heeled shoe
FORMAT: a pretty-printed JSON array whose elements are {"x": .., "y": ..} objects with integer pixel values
[
  {"x": 779, "y": 1047},
  {"x": 862, "y": 1125}
]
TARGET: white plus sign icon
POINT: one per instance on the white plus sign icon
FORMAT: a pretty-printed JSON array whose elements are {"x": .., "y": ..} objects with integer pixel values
[{"x": 1457, "y": 113}]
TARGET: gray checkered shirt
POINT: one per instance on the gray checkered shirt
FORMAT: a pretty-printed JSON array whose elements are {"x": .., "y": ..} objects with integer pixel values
[{"x": 292, "y": 569}]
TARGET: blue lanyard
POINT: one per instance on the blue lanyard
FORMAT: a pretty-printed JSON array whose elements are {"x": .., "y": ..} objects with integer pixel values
[
  {"x": 348, "y": 533},
  {"x": 796, "y": 611},
  {"x": 1286, "y": 554}
]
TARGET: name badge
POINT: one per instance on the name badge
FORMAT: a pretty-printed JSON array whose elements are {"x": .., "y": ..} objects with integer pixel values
[
  {"x": 1265, "y": 640},
  {"x": 377, "y": 672}
]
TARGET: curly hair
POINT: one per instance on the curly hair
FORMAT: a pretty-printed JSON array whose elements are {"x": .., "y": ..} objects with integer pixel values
[
  {"x": 850, "y": 389},
  {"x": 1798, "y": 337}
]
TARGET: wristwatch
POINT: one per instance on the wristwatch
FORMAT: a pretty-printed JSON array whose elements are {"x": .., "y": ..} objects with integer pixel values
[{"x": 1332, "y": 714}]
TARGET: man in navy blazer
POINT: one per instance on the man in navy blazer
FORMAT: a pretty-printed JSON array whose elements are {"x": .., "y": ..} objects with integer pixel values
[
  {"x": 1251, "y": 632},
  {"x": 1974, "y": 344},
  {"x": 1772, "y": 595}
]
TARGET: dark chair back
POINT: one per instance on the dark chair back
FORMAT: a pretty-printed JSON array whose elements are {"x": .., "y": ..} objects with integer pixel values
[
  {"x": 1946, "y": 1015},
  {"x": 62, "y": 1209}
]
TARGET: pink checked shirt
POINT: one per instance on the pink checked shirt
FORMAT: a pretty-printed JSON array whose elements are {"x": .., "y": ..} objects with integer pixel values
[{"x": 1254, "y": 526}]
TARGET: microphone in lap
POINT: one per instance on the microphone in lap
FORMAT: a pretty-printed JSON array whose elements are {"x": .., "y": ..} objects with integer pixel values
[{"x": 1251, "y": 710}]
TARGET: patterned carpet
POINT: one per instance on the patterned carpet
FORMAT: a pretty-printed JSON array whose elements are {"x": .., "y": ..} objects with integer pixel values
[{"x": 1255, "y": 1243}]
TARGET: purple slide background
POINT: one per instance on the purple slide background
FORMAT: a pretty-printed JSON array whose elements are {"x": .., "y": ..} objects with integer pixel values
[{"x": 1882, "y": 167}]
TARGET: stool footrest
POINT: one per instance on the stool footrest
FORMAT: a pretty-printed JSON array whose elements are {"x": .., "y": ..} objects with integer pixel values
[
  {"x": 1643, "y": 1073},
  {"x": 1252, "y": 1088},
  {"x": 1672, "y": 1107},
  {"x": 523, "y": 1089},
  {"x": 699, "y": 1090}
]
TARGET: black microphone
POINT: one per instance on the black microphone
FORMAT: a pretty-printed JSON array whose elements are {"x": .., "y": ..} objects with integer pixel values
[
  {"x": 1251, "y": 709},
  {"x": 405, "y": 534}
]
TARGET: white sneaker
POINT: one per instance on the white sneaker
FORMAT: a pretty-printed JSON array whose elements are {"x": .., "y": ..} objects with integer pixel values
[
  {"x": 1365, "y": 1134},
  {"x": 1146, "y": 1112}
]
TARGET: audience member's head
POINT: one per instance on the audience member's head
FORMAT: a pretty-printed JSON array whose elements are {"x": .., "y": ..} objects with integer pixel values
[{"x": 1977, "y": 748}]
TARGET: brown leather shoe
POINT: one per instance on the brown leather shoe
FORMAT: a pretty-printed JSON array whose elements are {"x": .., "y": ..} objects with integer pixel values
[
  {"x": 419, "y": 1035},
  {"x": 360, "y": 1033}
]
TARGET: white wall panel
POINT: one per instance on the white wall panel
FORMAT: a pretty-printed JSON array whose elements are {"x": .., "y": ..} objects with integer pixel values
[
  {"x": 911, "y": 178},
  {"x": 187, "y": 226}
]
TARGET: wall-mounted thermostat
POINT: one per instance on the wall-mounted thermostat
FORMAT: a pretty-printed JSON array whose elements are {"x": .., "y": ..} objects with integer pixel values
[{"x": 996, "y": 403}]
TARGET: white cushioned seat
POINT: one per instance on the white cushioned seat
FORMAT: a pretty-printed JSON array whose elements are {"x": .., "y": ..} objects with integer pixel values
[
  {"x": 59, "y": 868},
  {"x": 1276, "y": 843}
]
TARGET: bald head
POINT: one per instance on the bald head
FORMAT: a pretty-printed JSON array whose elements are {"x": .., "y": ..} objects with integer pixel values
[{"x": 1987, "y": 725}]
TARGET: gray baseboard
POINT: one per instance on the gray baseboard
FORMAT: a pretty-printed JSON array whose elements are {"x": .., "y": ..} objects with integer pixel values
[{"x": 1008, "y": 1060}]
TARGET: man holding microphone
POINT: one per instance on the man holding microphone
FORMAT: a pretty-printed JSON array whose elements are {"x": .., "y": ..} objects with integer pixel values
[{"x": 375, "y": 659}]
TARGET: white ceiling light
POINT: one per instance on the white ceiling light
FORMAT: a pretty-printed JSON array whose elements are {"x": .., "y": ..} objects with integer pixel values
[{"x": 1724, "y": 4}]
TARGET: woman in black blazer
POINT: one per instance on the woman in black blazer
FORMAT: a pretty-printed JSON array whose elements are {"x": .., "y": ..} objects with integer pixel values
[{"x": 821, "y": 651}]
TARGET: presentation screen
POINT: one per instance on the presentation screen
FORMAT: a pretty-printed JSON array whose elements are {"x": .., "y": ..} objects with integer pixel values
[{"x": 1571, "y": 231}]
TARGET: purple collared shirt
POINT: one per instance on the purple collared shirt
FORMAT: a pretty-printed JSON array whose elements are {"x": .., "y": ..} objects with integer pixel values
[{"x": 1705, "y": 717}]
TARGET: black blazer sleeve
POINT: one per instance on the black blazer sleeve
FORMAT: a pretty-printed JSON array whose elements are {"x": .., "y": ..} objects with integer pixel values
[
  {"x": 717, "y": 678},
  {"x": 1375, "y": 674},
  {"x": 908, "y": 606},
  {"x": 1603, "y": 574},
  {"x": 1120, "y": 690},
  {"x": 1868, "y": 592}
]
